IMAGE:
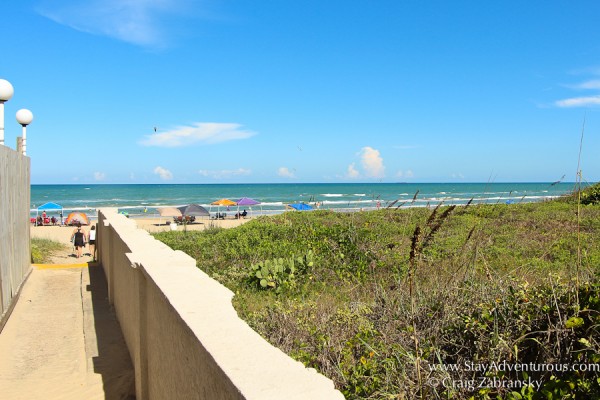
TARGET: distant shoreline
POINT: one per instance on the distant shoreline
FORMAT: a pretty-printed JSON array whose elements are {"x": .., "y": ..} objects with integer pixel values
[{"x": 344, "y": 197}]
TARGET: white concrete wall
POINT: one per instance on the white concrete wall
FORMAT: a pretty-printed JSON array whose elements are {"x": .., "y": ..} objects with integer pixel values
[
  {"x": 15, "y": 253},
  {"x": 183, "y": 334}
]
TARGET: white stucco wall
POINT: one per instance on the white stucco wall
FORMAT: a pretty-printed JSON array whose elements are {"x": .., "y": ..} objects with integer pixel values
[{"x": 183, "y": 334}]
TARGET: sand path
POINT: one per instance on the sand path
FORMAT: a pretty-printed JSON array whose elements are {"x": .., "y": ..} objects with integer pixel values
[
  {"x": 62, "y": 340},
  {"x": 63, "y": 234}
]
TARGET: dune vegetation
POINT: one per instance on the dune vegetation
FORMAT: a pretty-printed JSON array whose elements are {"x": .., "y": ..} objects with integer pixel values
[
  {"x": 477, "y": 301},
  {"x": 43, "y": 249}
]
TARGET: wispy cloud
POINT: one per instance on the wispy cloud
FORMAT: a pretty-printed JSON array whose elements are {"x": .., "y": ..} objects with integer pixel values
[
  {"x": 284, "y": 172},
  {"x": 197, "y": 133},
  {"x": 164, "y": 174},
  {"x": 99, "y": 176},
  {"x": 405, "y": 174},
  {"x": 352, "y": 172},
  {"x": 372, "y": 162},
  {"x": 579, "y": 102},
  {"x": 225, "y": 173},
  {"x": 139, "y": 22},
  {"x": 591, "y": 84}
]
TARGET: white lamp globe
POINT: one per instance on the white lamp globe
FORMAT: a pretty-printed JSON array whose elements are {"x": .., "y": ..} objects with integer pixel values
[
  {"x": 6, "y": 90},
  {"x": 24, "y": 116}
]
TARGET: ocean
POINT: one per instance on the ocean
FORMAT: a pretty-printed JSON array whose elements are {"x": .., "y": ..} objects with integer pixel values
[{"x": 143, "y": 199}]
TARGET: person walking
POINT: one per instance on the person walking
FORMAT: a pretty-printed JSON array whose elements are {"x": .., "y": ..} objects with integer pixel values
[
  {"x": 78, "y": 237},
  {"x": 92, "y": 242}
]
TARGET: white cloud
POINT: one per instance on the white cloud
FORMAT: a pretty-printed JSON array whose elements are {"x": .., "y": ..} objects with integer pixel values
[
  {"x": 458, "y": 176},
  {"x": 579, "y": 102},
  {"x": 99, "y": 176},
  {"x": 139, "y": 22},
  {"x": 199, "y": 132},
  {"x": 592, "y": 84},
  {"x": 372, "y": 162},
  {"x": 405, "y": 174},
  {"x": 164, "y": 174},
  {"x": 224, "y": 173},
  {"x": 352, "y": 173},
  {"x": 285, "y": 172}
]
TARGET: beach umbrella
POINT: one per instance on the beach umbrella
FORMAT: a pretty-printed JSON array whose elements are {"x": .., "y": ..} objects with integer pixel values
[
  {"x": 77, "y": 217},
  {"x": 300, "y": 206},
  {"x": 223, "y": 202},
  {"x": 246, "y": 201},
  {"x": 50, "y": 207},
  {"x": 194, "y": 209}
]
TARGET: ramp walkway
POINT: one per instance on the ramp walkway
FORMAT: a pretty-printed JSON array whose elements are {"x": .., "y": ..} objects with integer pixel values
[{"x": 62, "y": 340}]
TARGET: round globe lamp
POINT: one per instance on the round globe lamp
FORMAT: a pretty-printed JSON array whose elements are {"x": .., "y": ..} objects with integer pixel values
[
  {"x": 24, "y": 117},
  {"x": 6, "y": 92}
]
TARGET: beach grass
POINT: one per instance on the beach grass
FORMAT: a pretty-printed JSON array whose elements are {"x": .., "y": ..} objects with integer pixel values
[
  {"x": 42, "y": 249},
  {"x": 420, "y": 302}
]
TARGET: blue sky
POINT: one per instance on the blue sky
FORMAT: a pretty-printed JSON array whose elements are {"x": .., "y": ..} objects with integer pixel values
[{"x": 207, "y": 91}]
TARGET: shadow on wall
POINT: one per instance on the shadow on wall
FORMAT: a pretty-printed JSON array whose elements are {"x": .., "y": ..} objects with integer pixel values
[{"x": 111, "y": 360}]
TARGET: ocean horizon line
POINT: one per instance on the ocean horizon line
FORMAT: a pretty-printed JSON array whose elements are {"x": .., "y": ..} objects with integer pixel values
[{"x": 313, "y": 183}]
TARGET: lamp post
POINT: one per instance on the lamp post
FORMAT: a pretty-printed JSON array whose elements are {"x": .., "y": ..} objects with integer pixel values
[
  {"x": 24, "y": 117},
  {"x": 6, "y": 92}
]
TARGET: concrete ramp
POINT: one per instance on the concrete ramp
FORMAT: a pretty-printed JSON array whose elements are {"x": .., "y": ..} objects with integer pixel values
[{"x": 63, "y": 341}]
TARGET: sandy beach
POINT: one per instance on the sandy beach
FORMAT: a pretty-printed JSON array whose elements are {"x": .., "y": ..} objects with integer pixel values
[{"x": 63, "y": 234}]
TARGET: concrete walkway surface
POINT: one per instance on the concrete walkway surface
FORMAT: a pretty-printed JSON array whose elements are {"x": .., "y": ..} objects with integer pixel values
[{"x": 62, "y": 340}]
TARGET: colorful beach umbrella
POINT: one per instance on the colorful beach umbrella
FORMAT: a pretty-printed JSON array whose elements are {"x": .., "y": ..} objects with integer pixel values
[
  {"x": 50, "y": 206},
  {"x": 246, "y": 201},
  {"x": 300, "y": 206},
  {"x": 77, "y": 217},
  {"x": 223, "y": 202}
]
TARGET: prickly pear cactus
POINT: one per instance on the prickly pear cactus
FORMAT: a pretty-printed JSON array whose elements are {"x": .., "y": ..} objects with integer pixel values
[{"x": 280, "y": 273}]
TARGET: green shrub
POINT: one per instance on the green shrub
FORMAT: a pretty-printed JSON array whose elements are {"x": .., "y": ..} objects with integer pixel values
[
  {"x": 488, "y": 283},
  {"x": 591, "y": 195},
  {"x": 42, "y": 249}
]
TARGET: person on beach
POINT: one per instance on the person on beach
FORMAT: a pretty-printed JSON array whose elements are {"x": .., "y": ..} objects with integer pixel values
[
  {"x": 92, "y": 242},
  {"x": 78, "y": 238}
]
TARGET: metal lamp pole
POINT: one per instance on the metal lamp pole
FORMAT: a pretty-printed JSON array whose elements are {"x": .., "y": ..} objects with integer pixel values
[
  {"x": 6, "y": 92},
  {"x": 24, "y": 117}
]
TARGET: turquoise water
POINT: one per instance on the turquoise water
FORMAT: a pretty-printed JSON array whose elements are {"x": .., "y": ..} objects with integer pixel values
[{"x": 273, "y": 197}]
